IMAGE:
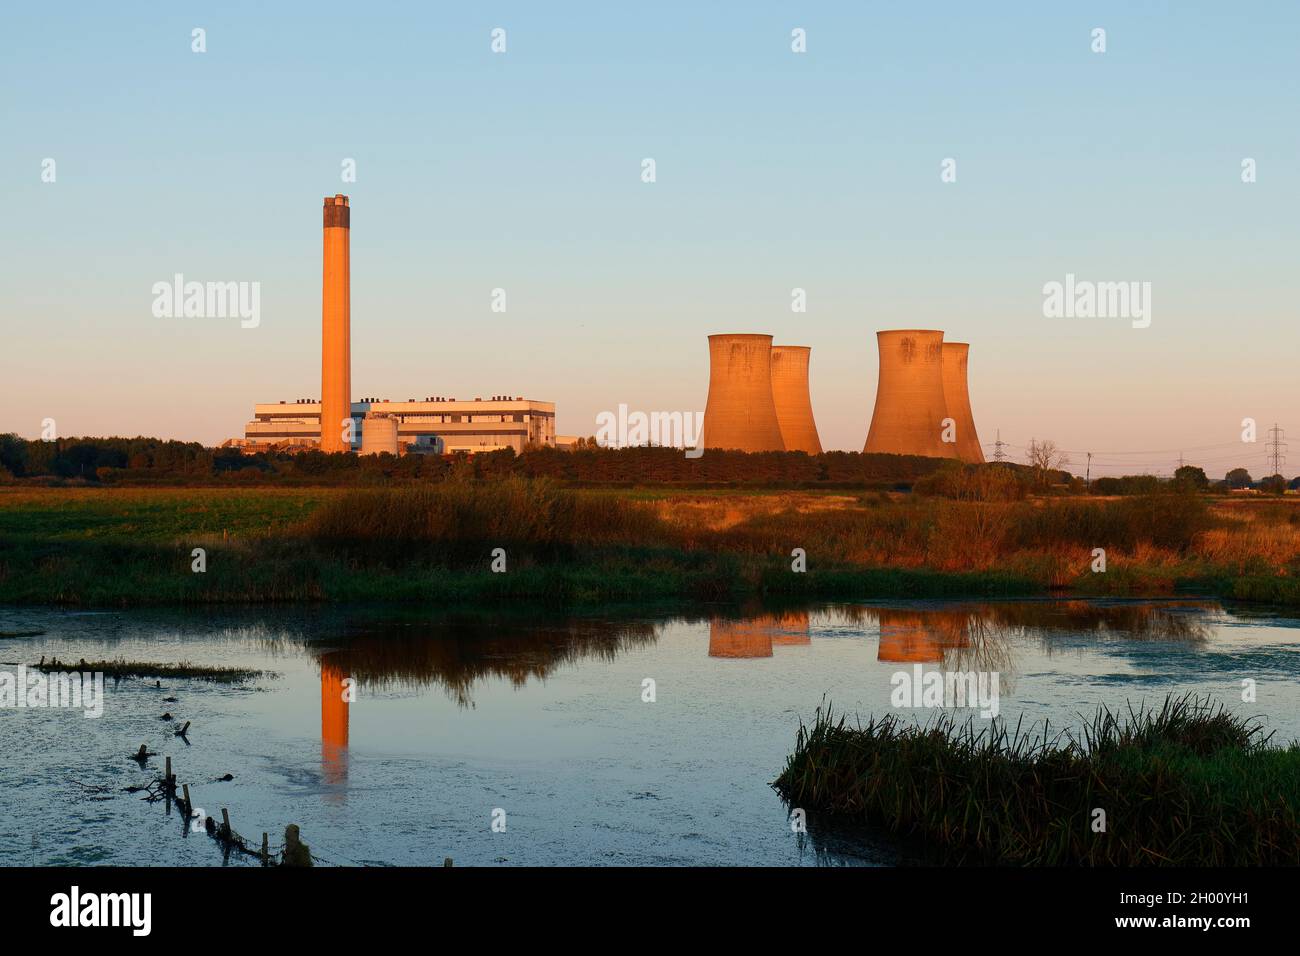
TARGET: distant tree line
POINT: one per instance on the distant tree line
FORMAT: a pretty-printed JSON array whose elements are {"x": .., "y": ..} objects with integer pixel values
[
  {"x": 1192, "y": 478},
  {"x": 154, "y": 461}
]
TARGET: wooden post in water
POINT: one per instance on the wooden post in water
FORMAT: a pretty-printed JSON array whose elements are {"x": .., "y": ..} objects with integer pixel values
[
  {"x": 225, "y": 824},
  {"x": 266, "y": 849},
  {"x": 189, "y": 807},
  {"x": 167, "y": 775}
]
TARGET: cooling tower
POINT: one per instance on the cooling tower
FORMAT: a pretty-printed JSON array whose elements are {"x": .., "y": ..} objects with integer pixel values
[
  {"x": 957, "y": 397},
  {"x": 910, "y": 409},
  {"x": 379, "y": 435},
  {"x": 336, "y": 320},
  {"x": 740, "y": 412},
  {"x": 794, "y": 412}
]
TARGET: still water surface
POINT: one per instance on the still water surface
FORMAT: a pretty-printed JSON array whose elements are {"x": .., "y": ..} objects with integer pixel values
[{"x": 543, "y": 717}]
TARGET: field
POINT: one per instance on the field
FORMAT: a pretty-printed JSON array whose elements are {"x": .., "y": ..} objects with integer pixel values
[{"x": 436, "y": 542}]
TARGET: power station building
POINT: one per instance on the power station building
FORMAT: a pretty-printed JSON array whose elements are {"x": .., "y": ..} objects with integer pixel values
[
  {"x": 436, "y": 425},
  {"x": 371, "y": 426}
]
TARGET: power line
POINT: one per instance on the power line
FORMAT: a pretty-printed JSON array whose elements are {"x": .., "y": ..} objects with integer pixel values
[{"x": 1153, "y": 461}]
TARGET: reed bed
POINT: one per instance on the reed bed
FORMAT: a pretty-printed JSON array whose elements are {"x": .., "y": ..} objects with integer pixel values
[{"x": 1185, "y": 784}]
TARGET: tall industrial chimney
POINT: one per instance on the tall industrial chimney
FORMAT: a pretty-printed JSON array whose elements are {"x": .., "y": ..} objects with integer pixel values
[
  {"x": 957, "y": 397},
  {"x": 336, "y": 333},
  {"x": 793, "y": 404},
  {"x": 740, "y": 412},
  {"x": 910, "y": 407}
]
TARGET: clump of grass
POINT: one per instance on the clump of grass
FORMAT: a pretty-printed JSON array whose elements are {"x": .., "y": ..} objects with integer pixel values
[
  {"x": 120, "y": 669},
  {"x": 1189, "y": 784}
]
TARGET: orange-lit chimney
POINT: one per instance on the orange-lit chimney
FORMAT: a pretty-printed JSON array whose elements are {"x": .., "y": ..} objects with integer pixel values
[{"x": 336, "y": 332}]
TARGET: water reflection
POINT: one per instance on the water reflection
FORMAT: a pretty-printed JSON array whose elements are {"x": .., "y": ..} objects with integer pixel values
[
  {"x": 333, "y": 720},
  {"x": 451, "y": 704},
  {"x": 457, "y": 653}
]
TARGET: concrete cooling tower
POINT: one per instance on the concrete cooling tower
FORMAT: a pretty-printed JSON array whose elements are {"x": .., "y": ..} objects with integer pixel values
[
  {"x": 957, "y": 397},
  {"x": 794, "y": 411},
  {"x": 910, "y": 407},
  {"x": 336, "y": 321},
  {"x": 740, "y": 412}
]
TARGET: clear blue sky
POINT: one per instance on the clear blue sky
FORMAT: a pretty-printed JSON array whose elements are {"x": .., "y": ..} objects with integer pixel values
[{"x": 775, "y": 171}]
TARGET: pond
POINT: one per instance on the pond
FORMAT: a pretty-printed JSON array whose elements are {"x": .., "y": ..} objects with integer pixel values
[{"x": 628, "y": 736}]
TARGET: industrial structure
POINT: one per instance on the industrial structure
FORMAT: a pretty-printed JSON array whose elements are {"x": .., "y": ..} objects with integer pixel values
[
  {"x": 794, "y": 411},
  {"x": 956, "y": 396},
  {"x": 336, "y": 326},
  {"x": 740, "y": 412},
  {"x": 379, "y": 434},
  {"x": 437, "y": 425},
  {"x": 336, "y": 423},
  {"x": 908, "y": 418}
]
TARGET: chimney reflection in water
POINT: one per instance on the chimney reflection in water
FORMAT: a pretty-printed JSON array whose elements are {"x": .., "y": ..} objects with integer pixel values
[{"x": 333, "y": 721}]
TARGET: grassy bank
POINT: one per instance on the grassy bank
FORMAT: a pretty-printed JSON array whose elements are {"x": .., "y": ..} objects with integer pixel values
[
  {"x": 1187, "y": 785},
  {"x": 437, "y": 543}
]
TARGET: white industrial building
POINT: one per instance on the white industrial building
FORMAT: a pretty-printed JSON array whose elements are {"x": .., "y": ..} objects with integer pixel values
[{"x": 436, "y": 425}]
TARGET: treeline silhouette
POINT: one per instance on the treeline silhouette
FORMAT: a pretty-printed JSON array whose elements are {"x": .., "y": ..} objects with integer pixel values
[{"x": 147, "y": 461}]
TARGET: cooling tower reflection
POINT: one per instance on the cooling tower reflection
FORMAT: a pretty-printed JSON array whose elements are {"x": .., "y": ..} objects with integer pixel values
[{"x": 754, "y": 636}]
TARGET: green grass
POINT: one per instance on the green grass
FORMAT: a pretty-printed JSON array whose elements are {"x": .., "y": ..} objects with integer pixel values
[
  {"x": 153, "y": 514},
  {"x": 1188, "y": 784},
  {"x": 434, "y": 543}
]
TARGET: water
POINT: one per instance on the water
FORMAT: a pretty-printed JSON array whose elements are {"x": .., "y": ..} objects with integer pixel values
[{"x": 542, "y": 717}]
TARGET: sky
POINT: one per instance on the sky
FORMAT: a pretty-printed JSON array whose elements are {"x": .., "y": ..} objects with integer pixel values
[{"x": 774, "y": 170}]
